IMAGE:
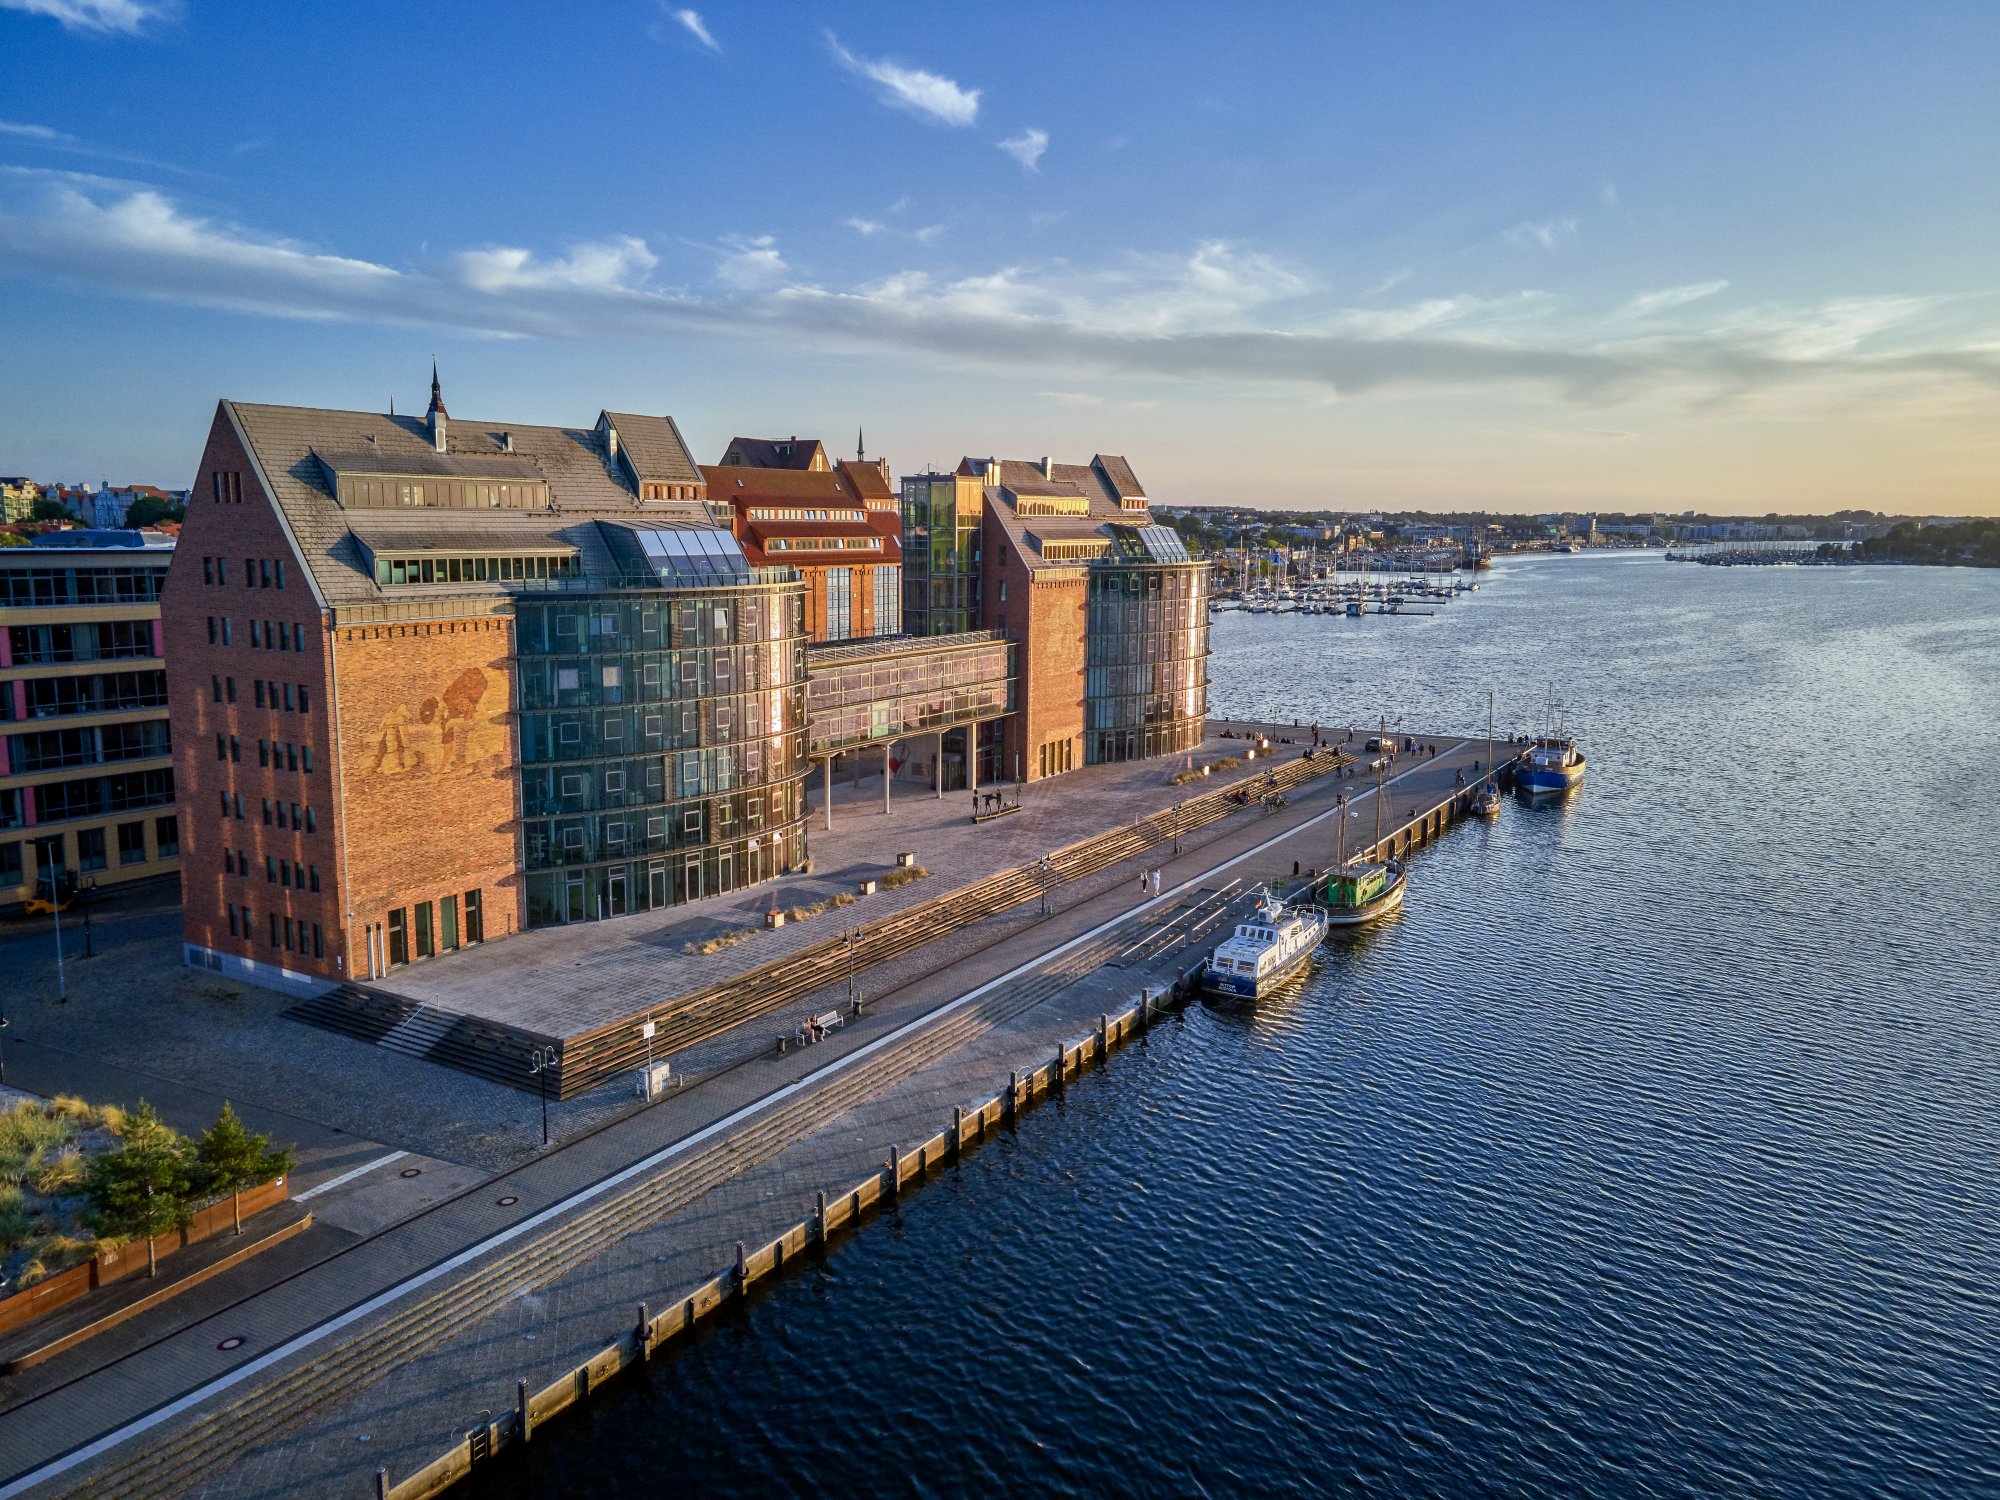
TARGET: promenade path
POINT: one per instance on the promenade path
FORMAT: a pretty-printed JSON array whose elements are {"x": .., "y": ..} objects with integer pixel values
[{"x": 376, "y": 1354}]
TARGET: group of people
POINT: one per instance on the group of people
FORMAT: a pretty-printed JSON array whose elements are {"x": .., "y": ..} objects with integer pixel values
[
  {"x": 1149, "y": 883},
  {"x": 811, "y": 1031}
]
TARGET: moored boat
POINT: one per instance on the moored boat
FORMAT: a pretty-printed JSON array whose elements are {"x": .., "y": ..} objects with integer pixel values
[
  {"x": 1267, "y": 949},
  {"x": 1360, "y": 891},
  {"x": 1554, "y": 763}
]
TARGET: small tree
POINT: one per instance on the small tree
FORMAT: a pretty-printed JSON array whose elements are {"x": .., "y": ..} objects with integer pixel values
[
  {"x": 142, "y": 1188},
  {"x": 150, "y": 510},
  {"x": 50, "y": 510},
  {"x": 231, "y": 1158}
]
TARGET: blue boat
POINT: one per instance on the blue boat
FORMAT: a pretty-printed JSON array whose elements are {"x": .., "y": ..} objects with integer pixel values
[
  {"x": 1266, "y": 950},
  {"x": 1553, "y": 763}
]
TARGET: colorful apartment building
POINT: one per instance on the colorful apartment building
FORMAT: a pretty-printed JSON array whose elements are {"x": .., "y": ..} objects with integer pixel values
[
  {"x": 86, "y": 777},
  {"x": 836, "y": 523}
]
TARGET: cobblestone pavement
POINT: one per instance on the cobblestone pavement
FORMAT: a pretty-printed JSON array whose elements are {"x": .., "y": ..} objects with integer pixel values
[{"x": 408, "y": 1415}]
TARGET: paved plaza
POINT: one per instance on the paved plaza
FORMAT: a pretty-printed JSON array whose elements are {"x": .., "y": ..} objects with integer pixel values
[{"x": 560, "y": 981}]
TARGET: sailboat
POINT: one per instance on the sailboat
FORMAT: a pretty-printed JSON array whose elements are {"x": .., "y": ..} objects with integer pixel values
[
  {"x": 1486, "y": 801},
  {"x": 1357, "y": 891}
]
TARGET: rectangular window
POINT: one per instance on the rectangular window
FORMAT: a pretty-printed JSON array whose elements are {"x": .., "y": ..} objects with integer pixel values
[
  {"x": 475, "y": 921},
  {"x": 448, "y": 923},
  {"x": 167, "y": 837},
  {"x": 228, "y": 637},
  {"x": 264, "y": 574},
  {"x": 319, "y": 943},
  {"x": 90, "y": 848},
  {"x": 425, "y": 946},
  {"x": 131, "y": 843},
  {"x": 229, "y": 687},
  {"x": 312, "y": 877},
  {"x": 291, "y": 757},
  {"x": 306, "y": 759},
  {"x": 260, "y": 692},
  {"x": 215, "y": 689},
  {"x": 254, "y": 640},
  {"x": 399, "y": 936},
  {"x": 312, "y": 825},
  {"x": 211, "y": 630},
  {"x": 228, "y": 861},
  {"x": 298, "y": 637},
  {"x": 288, "y": 698},
  {"x": 274, "y": 929},
  {"x": 222, "y": 747},
  {"x": 270, "y": 869},
  {"x": 232, "y": 921},
  {"x": 281, "y": 573},
  {"x": 303, "y": 707},
  {"x": 264, "y": 754},
  {"x": 208, "y": 570},
  {"x": 285, "y": 873},
  {"x": 236, "y": 749}
]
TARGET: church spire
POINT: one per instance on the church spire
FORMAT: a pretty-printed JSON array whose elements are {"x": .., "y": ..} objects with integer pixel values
[
  {"x": 436, "y": 416},
  {"x": 437, "y": 394},
  {"x": 860, "y": 447}
]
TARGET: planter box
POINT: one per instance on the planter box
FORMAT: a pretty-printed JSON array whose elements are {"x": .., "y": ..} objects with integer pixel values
[{"x": 129, "y": 1260}]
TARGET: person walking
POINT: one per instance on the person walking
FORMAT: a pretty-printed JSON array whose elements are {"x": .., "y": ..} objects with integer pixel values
[
  {"x": 1156, "y": 882},
  {"x": 1144, "y": 882}
]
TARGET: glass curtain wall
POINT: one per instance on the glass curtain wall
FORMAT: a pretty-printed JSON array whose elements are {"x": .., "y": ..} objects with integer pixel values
[
  {"x": 662, "y": 746},
  {"x": 888, "y": 600},
  {"x": 941, "y": 516},
  {"x": 1146, "y": 662}
]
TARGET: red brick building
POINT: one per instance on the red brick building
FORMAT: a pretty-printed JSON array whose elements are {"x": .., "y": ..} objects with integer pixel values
[
  {"x": 837, "y": 523},
  {"x": 359, "y": 786}
]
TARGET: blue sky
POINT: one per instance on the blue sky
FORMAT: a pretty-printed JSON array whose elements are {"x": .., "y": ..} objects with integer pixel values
[{"x": 1529, "y": 257}]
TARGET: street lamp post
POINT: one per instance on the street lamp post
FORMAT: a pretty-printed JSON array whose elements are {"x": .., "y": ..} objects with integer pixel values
[
  {"x": 1047, "y": 869},
  {"x": 853, "y": 998},
  {"x": 1177, "y": 829},
  {"x": 540, "y": 1061},
  {"x": 89, "y": 890}
]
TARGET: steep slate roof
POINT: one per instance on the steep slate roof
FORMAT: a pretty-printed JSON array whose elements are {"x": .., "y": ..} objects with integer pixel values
[
  {"x": 780, "y": 486},
  {"x": 762, "y": 453},
  {"x": 289, "y": 443},
  {"x": 869, "y": 482},
  {"x": 1102, "y": 482},
  {"x": 654, "y": 446}
]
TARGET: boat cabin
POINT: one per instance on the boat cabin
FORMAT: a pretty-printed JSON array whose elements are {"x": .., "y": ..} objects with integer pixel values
[{"x": 1356, "y": 885}]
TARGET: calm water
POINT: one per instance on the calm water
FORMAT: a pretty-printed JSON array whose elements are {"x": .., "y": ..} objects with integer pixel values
[{"x": 1654, "y": 1151}]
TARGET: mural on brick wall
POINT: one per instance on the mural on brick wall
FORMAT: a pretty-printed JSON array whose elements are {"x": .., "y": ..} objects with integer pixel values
[{"x": 440, "y": 733}]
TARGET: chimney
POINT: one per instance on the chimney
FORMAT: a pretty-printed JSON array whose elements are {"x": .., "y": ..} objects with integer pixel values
[
  {"x": 1048, "y": 469},
  {"x": 506, "y": 442},
  {"x": 993, "y": 469}
]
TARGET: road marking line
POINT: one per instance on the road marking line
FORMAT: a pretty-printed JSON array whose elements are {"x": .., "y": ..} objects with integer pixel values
[
  {"x": 332, "y": 1183},
  {"x": 393, "y": 1294}
]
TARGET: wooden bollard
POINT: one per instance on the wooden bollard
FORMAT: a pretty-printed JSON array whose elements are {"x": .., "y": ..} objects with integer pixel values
[
  {"x": 742, "y": 1266},
  {"x": 1062, "y": 1063},
  {"x": 819, "y": 1215},
  {"x": 957, "y": 1128},
  {"x": 1103, "y": 1036},
  {"x": 527, "y": 1415},
  {"x": 1013, "y": 1093},
  {"x": 895, "y": 1171},
  {"x": 382, "y": 1484},
  {"x": 645, "y": 1334}
]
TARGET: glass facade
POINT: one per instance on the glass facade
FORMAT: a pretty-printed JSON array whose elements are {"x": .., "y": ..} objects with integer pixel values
[
  {"x": 662, "y": 737},
  {"x": 1146, "y": 661},
  {"x": 865, "y": 695},
  {"x": 888, "y": 600},
  {"x": 941, "y": 519},
  {"x": 839, "y": 603}
]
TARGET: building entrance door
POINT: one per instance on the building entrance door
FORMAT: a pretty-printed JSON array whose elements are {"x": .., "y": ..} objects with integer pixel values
[
  {"x": 693, "y": 873},
  {"x": 656, "y": 885},
  {"x": 724, "y": 871},
  {"x": 615, "y": 900},
  {"x": 573, "y": 909}
]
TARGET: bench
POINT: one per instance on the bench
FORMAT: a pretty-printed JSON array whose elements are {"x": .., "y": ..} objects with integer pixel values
[{"x": 830, "y": 1020}]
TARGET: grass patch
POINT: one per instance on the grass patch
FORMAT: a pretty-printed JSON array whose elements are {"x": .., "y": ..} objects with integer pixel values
[
  {"x": 1227, "y": 763},
  {"x": 703, "y": 947},
  {"x": 903, "y": 874},
  {"x": 1182, "y": 778}
]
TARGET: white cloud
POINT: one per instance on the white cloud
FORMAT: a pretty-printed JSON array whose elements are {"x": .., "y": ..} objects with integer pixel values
[
  {"x": 1027, "y": 148},
  {"x": 31, "y": 132},
  {"x": 1548, "y": 234},
  {"x": 866, "y": 228},
  {"x": 607, "y": 265},
  {"x": 695, "y": 27},
  {"x": 129, "y": 16},
  {"x": 929, "y": 234},
  {"x": 751, "y": 263},
  {"x": 1648, "y": 303},
  {"x": 1387, "y": 284},
  {"x": 931, "y": 95},
  {"x": 1221, "y": 314}
]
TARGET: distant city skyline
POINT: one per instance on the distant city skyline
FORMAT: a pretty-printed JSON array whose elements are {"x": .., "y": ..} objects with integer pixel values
[{"x": 1734, "y": 260}]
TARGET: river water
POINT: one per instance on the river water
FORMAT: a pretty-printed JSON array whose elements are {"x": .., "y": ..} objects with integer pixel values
[{"x": 1654, "y": 1149}]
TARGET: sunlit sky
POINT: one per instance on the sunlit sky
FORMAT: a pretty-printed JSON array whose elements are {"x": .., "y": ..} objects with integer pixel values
[{"x": 1736, "y": 258}]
